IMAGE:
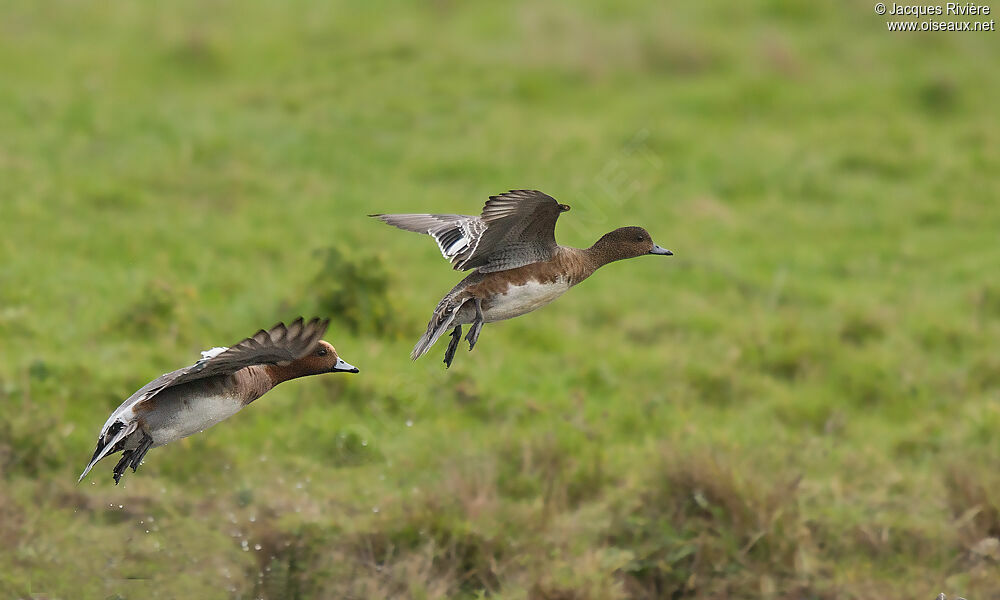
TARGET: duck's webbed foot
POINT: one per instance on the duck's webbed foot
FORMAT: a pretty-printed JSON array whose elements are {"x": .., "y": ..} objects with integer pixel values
[
  {"x": 119, "y": 469},
  {"x": 140, "y": 452},
  {"x": 449, "y": 354},
  {"x": 477, "y": 325},
  {"x": 133, "y": 456}
]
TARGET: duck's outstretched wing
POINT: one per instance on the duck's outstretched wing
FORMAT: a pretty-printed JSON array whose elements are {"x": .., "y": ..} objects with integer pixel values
[
  {"x": 456, "y": 235},
  {"x": 515, "y": 229},
  {"x": 278, "y": 344},
  {"x": 520, "y": 230}
]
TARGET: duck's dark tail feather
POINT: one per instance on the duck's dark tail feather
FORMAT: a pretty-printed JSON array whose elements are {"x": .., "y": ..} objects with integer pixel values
[
  {"x": 108, "y": 444},
  {"x": 440, "y": 323}
]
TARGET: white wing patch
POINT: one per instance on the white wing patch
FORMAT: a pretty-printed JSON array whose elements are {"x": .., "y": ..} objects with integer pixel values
[
  {"x": 211, "y": 353},
  {"x": 207, "y": 355}
]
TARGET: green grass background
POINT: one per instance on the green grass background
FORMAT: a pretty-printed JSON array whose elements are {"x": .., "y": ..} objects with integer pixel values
[{"x": 802, "y": 403}]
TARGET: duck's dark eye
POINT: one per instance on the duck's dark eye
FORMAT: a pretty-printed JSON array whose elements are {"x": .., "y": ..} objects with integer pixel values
[
  {"x": 638, "y": 239},
  {"x": 321, "y": 352}
]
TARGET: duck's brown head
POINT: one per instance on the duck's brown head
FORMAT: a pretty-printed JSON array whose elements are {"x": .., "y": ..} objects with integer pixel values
[
  {"x": 626, "y": 242},
  {"x": 321, "y": 359},
  {"x": 324, "y": 359}
]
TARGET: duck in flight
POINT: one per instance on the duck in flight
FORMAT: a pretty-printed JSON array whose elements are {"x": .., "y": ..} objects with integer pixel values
[
  {"x": 518, "y": 264},
  {"x": 189, "y": 400}
]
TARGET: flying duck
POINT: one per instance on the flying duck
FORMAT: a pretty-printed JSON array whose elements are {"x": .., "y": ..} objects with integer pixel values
[
  {"x": 189, "y": 400},
  {"x": 518, "y": 265}
]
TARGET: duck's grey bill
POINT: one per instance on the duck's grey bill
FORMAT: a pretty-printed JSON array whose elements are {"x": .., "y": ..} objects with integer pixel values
[
  {"x": 660, "y": 250},
  {"x": 343, "y": 366}
]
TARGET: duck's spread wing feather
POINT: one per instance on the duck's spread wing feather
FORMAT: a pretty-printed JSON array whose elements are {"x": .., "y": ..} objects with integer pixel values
[
  {"x": 456, "y": 235},
  {"x": 515, "y": 229},
  {"x": 278, "y": 344},
  {"x": 520, "y": 230}
]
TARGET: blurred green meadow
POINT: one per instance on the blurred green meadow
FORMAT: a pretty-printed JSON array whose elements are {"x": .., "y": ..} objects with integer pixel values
[{"x": 803, "y": 402}]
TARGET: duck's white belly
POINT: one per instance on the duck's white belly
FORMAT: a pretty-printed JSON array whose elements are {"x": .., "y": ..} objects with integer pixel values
[
  {"x": 183, "y": 417},
  {"x": 521, "y": 299}
]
